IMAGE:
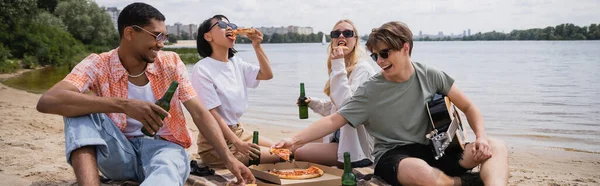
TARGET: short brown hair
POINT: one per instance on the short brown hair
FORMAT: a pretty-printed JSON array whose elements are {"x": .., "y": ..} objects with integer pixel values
[{"x": 394, "y": 34}]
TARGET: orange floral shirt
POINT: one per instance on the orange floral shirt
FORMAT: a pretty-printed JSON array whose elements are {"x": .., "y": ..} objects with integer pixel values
[{"x": 106, "y": 77}]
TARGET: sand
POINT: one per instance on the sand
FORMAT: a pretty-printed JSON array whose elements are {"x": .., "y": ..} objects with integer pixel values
[{"x": 32, "y": 149}]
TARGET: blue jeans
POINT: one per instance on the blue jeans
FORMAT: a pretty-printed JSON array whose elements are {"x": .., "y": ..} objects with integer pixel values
[{"x": 147, "y": 160}]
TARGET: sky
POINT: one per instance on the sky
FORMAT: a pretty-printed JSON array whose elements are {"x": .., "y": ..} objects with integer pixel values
[{"x": 428, "y": 16}]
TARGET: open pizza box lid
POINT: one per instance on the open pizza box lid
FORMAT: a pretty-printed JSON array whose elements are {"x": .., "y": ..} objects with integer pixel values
[{"x": 331, "y": 176}]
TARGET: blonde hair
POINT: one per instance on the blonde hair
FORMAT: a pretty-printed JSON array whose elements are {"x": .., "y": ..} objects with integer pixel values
[{"x": 356, "y": 53}]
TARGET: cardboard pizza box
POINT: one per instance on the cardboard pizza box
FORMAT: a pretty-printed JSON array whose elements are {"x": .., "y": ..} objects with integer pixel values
[{"x": 331, "y": 176}]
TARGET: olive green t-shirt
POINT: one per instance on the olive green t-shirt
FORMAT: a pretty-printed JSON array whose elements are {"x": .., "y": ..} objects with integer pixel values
[{"x": 395, "y": 113}]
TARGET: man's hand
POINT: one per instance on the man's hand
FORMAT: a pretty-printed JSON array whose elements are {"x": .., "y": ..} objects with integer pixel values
[
  {"x": 240, "y": 171},
  {"x": 146, "y": 113},
  {"x": 481, "y": 149}
]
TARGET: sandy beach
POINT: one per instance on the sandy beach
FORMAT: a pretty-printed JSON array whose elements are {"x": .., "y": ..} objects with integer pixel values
[{"x": 32, "y": 150}]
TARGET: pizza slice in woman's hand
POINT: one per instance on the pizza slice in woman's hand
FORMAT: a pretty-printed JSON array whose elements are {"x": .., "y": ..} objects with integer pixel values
[{"x": 243, "y": 31}]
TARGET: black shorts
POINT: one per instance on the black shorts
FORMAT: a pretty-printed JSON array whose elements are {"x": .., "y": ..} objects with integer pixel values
[{"x": 387, "y": 166}]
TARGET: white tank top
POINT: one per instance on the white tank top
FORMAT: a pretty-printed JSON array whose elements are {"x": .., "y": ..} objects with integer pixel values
[{"x": 144, "y": 93}]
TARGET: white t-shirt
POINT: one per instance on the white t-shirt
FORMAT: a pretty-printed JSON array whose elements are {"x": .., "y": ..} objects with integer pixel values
[
  {"x": 144, "y": 93},
  {"x": 223, "y": 85}
]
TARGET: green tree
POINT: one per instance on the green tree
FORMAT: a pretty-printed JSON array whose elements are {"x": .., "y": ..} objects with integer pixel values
[
  {"x": 29, "y": 31},
  {"x": 46, "y": 18},
  {"x": 266, "y": 38},
  {"x": 48, "y": 5},
  {"x": 594, "y": 31},
  {"x": 4, "y": 53},
  {"x": 88, "y": 23},
  {"x": 578, "y": 36},
  {"x": 51, "y": 45},
  {"x": 15, "y": 16},
  {"x": 185, "y": 36},
  {"x": 172, "y": 38},
  {"x": 277, "y": 38},
  {"x": 6, "y": 65}
]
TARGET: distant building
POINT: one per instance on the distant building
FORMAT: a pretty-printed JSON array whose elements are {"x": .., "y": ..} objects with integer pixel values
[
  {"x": 179, "y": 27},
  {"x": 272, "y": 30},
  {"x": 469, "y": 32},
  {"x": 171, "y": 29},
  {"x": 190, "y": 29},
  {"x": 464, "y": 33},
  {"x": 420, "y": 33},
  {"x": 114, "y": 16},
  {"x": 284, "y": 30},
  {"x": 300, "y": 30}
]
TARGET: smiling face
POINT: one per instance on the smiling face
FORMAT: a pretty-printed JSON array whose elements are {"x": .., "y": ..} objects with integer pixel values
[
  {"x": 144, "y": 41},
  {"x": 390, "y": 60},
  {"x": 220, "y": 33},
  {"x": 391, "y": 47},
  {"x": 344, "y": 29}
]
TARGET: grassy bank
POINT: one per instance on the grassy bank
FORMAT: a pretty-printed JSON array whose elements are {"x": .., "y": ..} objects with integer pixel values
[{"x": 188, "y": 55}]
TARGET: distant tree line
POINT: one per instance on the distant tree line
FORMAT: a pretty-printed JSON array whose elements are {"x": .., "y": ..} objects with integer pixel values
[
  {"x": 566, "y": 31},
  {"x": 52, "y": 32}
]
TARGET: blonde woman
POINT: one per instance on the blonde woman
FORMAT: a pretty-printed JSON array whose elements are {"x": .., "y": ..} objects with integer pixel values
[{"x": 346, "y": 71}]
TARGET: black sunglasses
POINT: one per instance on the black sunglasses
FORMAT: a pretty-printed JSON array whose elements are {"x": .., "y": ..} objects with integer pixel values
[
  {"x": 346, "y": 33},
  {"x": 223, "y": 25},
  {"x": 385, "y": 53}
]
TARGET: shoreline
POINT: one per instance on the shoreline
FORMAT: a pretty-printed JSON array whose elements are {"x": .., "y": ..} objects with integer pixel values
[
  {"x": 14, "y": 74},
  {"x": 33, "y": 149}
]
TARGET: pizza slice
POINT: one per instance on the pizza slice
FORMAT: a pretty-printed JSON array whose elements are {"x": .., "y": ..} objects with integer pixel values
[
  {"x": 311, "y": 172},
  {"x": 341, "y": 44},
  {"x": 243, "y": 31},
  {"x": 283, "y": 153}
]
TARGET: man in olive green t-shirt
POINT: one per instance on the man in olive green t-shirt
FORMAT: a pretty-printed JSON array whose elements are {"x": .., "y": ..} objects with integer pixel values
[{"x": 392, "y": 106}]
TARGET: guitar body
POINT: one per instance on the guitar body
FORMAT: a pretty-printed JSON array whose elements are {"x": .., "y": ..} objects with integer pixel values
[{"x": 448, "y": 132}]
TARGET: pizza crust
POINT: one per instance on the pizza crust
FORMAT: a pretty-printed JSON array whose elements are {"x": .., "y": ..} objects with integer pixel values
[{"x": 299, "y": 177}]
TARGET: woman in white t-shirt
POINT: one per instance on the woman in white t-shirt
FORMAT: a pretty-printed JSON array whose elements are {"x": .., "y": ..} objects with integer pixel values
[
  {"x": 347, "y": 71},
  {"x": 221, "y": 81}
]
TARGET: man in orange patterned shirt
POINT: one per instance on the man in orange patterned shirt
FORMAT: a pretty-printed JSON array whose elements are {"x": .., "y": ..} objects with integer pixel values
[{"x": 103, "y": 131}]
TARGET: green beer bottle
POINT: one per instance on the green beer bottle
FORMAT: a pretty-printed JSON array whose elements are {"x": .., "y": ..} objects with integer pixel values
[
  {"x": 255, "y": 141},
  {"x": 348, "y": 178},
  {"x": 164, "y": 103},
  {"x": 302, "y": 103}
]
